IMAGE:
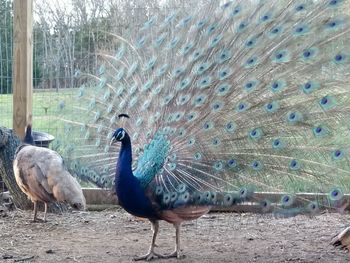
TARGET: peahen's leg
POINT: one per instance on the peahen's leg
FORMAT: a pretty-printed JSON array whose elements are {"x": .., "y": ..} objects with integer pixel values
[
  {"x": 45, "y": 212},
  {"x": 177, "y": 252},
  {"x": 35, "y": 211},
  {"x": 151, "y": 254}
]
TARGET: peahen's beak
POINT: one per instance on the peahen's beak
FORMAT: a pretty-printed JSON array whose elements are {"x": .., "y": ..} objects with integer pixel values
[{"x": 113, "y": 140}]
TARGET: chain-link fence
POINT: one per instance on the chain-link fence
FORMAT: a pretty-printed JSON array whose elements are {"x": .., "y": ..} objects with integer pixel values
[{"x": 68, "y": 35}]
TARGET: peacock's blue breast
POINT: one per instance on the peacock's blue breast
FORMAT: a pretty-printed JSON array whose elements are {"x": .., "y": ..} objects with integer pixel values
[{"x": 132, "y": 197}]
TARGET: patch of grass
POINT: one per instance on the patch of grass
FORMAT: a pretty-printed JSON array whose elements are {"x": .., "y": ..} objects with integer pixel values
[
  {"x": 46, "y": 109},
  {"x": 6, "y": 110}
]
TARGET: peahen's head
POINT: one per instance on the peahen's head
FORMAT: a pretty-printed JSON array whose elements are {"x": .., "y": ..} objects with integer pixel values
[
  {"x": 119, "y": 135},
  {"x": 28, "y": 138}
]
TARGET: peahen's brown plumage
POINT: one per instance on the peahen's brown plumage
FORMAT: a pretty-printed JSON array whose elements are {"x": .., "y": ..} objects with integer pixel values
[{"x": 42, "y": 176}]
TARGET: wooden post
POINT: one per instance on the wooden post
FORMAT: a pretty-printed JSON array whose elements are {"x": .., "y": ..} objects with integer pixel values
[{"x": 22, "y": 65}]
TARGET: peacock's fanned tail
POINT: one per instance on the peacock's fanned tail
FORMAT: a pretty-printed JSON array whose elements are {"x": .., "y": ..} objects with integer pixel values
[{"x": 244, "y": 97}]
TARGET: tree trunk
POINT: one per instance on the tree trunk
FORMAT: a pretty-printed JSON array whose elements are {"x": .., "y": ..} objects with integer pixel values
[{"x": 8, "y": 144}]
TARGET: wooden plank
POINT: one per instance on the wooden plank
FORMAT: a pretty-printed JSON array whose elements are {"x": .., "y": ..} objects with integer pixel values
[
  {"x": 22, "y": 72},
  {"x": 98, "y": 196},
  {"x": 102, "y": 197}
]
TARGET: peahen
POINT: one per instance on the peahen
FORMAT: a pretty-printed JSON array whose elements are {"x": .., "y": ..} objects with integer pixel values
[
  {"x": 224, "y": 103},
  {"x": 41, "y": 174}
]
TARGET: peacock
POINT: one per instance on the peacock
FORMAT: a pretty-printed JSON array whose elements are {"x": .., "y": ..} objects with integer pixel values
[{"x": 215, "y": 106}]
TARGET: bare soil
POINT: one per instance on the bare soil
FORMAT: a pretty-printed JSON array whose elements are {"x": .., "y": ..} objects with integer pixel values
[{"x": 115, "y": 236}]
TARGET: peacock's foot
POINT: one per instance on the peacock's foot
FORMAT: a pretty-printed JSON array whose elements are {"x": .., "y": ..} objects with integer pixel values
[
  {"x": 175, "y": 254},
  {"x": 342, "y": 240},
  {"x": 149, "y": 256}
]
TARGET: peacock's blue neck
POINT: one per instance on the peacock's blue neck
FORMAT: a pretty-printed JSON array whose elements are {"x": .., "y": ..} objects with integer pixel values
[
  {"x": 28, "y": 138},
  {"x": 131, "y": 195},
  {"x": 125, "y": 156}
]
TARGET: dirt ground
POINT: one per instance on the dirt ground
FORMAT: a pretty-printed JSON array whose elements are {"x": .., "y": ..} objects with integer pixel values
[{"x": 115, "y": 236}]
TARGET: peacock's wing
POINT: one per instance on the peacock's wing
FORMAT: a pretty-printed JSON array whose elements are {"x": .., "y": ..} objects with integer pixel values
[{"x": 253, "y": 96}]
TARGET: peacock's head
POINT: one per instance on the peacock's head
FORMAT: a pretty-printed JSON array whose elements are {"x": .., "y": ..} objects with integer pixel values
[{"x": 118, "y": 135}]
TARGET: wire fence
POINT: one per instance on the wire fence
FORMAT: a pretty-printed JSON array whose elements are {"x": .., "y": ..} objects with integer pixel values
[
  {"x": 66, "y": 37},
  {"x": 67, "y": 34},
  {"x": 5, "y": 62}
]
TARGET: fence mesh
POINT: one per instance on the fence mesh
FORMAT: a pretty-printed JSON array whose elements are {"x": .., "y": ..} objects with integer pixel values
[{"x": 67, "y": 36}]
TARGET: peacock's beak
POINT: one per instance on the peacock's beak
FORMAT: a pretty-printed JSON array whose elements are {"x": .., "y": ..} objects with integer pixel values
[{"x": 113, "y": 140}]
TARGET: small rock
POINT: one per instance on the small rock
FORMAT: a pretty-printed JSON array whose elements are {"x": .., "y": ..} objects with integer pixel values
[
  {"x": 3, "y": 209},
  {"x": 3, "y": 214},
  {"x": 7, "y": 256},
  {"x": 49, "y": 251}
]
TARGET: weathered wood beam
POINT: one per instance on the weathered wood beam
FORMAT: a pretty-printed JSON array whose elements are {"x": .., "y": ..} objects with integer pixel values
[
  {"x": 101, "y": 197},
  {"x": 22, "y": 72}
]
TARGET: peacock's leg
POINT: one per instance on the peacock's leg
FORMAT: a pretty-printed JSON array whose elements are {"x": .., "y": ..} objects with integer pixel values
[
  {"x": 177, "y": 252},
  {"x": 151, "y": 254},
  {"x": 35, "y": 211},
  {"x": 45, "y": 212}
]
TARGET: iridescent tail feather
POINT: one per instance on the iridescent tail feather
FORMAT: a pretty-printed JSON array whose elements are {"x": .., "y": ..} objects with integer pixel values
[{"x": 254, "y": 98}]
